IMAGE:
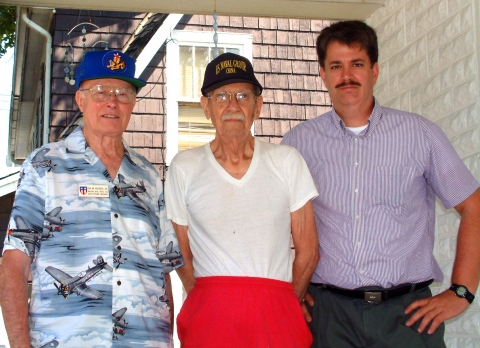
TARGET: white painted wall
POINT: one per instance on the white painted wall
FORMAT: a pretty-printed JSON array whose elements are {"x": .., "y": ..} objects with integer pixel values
[{"x": 429, "y": 64}]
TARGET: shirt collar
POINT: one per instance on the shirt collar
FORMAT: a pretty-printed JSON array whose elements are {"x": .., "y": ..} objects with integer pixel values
[{"x": 373, "y": 120}]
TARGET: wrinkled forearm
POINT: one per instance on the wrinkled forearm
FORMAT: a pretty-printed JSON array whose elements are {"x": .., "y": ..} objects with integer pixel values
[
  {"x": 14, "y": 301},
  {"x": 186, "y": 271},
  {"x": 186, "y": 276},
  {"x": 305, "y": 241},
  {"x": 303, "y": 268}
]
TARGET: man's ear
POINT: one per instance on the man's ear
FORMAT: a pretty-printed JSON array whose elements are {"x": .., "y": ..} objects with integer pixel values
[
  {"x": 79, "y": 99},
  {"x": 204, "y": 103}
]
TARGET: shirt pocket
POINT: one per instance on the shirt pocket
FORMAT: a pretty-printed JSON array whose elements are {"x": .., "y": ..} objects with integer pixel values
[{"x": 391, "y": 185}]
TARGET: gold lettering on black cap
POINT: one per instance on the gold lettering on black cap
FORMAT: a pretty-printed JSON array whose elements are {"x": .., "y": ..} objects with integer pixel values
[
  {"x": 229, "y": 66},
  {"x": 240, "y": 64}
]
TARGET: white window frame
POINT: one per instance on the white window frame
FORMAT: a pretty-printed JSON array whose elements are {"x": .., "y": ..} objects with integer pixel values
[{"x": 242, "y": 42}]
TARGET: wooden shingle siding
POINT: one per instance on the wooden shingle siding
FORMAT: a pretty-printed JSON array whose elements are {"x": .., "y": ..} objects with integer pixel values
[
  {"x": 285, "y": 62},
  {"x": 284, "y": 59}
]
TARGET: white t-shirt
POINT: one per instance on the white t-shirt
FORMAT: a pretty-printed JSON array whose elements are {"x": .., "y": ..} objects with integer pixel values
[{"x": 239, "y": 227}]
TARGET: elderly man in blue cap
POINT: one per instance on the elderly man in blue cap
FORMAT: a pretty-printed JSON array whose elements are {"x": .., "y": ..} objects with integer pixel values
[{"x": 88, "y": 224}]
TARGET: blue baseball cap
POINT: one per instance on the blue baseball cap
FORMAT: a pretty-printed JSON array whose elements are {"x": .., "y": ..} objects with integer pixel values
[{"x": 109, "y": 64}]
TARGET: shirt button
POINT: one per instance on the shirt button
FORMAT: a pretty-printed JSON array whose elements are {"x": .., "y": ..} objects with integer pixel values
[
  {"x": 119, "y": 283},
  {"x": 356, "y": 190},
  {"x": 357, "y": 217},
  {"x": 362, "y": 271},
  {"x": 356, "y": 164},
  {"x": 359, "y": 244},
  {"x": 116, "y": 215},
  {"x": 356, "y": 140}
]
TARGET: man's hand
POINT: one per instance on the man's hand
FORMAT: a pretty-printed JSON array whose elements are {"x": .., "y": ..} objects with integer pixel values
[
  {"x": 435, "y": 310},
  {"x": 306, "y": 313},
  {"x": 466, "y": 270}
]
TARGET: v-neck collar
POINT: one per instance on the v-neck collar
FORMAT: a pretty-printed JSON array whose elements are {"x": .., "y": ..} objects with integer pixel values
[{"x": 251, "y": 168}]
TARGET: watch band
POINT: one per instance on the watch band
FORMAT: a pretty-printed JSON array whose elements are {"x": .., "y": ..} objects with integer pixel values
[{"x": 462, "y": 291}]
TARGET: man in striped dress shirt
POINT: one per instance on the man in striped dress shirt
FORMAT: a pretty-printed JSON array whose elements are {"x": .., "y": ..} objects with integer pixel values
[{"x": 378, "y": 171}]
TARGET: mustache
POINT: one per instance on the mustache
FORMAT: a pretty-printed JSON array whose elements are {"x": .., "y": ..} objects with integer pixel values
[
  {"x": 233, "y": 116},
  {"x": 348, "y": 83}
]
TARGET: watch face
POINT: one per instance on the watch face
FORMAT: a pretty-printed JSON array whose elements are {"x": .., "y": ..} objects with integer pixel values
[{"x": 461, "y": 291}]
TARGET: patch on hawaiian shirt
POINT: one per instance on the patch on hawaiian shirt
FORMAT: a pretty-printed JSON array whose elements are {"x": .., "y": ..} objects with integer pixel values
[{"x": 100, "y": 191}]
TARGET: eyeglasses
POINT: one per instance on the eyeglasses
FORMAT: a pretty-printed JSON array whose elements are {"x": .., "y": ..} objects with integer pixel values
[
  {"x": 101, "y": 93},
  {"x": 223, "y": 98}
]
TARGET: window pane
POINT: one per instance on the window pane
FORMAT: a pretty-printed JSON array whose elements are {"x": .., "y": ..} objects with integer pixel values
[
  {"x": 221, "y": 50},
  {"x": 201, "y": 61},
  {"x": 193, "y": 127},
  {"x": 186, "y": 71},
  {"x": 233, "y": 50}
]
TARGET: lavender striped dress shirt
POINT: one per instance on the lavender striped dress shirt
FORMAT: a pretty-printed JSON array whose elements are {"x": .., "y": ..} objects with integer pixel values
[{"x": 375, "y": 212}]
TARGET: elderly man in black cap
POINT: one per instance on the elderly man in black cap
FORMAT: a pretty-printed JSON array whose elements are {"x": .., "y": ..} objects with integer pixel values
[
  {"x": 85, "y": 205},
  {"x": 236, "y": 204}
]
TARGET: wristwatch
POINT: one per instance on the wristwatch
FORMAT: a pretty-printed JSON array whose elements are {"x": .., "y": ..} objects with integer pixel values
[{"x": 462, "y": 291}]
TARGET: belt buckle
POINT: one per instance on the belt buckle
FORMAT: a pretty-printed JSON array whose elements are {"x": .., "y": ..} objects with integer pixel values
[{"x": 373, "y": 296}]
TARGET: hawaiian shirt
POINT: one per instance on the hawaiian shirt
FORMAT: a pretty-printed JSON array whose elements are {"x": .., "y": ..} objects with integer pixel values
[{"x": 103, "y": 243}]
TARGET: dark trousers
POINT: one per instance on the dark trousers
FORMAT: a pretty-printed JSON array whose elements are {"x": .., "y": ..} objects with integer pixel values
[{"x": 344, "y": 322}]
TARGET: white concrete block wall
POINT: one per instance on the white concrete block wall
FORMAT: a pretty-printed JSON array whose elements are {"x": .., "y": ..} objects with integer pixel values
[{"x": 429, "y": 64}]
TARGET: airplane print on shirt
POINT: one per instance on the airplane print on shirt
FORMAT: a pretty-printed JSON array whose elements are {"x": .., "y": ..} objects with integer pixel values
[
  {"x": 119, "y": 323},
  {"x": 117, "y": 253},
  {"x": 53, "y": 223},
  {"x": 40, "y": 161},
  {"x": 68, "y": 284},
  {"x": 30, "y": 239},
  {"x": 169, "y": 258},
  {"x": 131, "y": 190}
]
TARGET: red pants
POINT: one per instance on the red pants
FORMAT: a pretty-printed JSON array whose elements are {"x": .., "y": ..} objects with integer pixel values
[{"x": 242, "y": 312}]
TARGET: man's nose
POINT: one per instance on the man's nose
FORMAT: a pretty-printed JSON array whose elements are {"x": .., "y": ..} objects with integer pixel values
[
  {"x": 346, "y": 73},
  {"x": 233, "y": 102},
  {"x": 112, "y": 98}
]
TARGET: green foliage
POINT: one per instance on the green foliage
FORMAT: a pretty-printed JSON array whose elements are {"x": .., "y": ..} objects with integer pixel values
[{"x": 7, "y": 28}]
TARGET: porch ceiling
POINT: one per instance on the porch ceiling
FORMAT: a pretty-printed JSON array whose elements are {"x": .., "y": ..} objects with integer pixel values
[{"x": 313, "y": 9}]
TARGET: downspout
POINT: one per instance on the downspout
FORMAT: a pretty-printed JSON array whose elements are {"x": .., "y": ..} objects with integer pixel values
[{"x": 48, "y": 74}]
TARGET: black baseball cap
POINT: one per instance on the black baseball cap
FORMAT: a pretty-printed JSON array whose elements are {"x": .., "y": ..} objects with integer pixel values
[{"x": 228, "y": 68}]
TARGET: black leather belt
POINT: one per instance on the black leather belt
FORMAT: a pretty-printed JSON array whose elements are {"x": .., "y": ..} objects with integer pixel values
[{"x": 376, "y": 294}]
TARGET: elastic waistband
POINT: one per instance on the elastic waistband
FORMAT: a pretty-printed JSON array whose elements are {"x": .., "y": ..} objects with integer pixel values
[
  {"x": 233, "y": 281},
  {"x": 375, "y": 294}
]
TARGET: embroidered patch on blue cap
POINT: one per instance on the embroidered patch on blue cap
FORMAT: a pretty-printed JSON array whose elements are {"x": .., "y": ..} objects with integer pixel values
[{"x": 113, "y": 61}]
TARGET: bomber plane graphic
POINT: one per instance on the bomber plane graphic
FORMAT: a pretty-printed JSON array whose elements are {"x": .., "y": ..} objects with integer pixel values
[
  {"x": 39, "y": 160},
  {"x": 69, "y": 284},
  {"x": 117, "y": 253},
  {"x": 131, "y": 190},
  {"x": 53, "y": 223},
  {"x": 169, "y": 258},
  {"x": 27, "y": 235},
  {"x": 119, "y": 323}
]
